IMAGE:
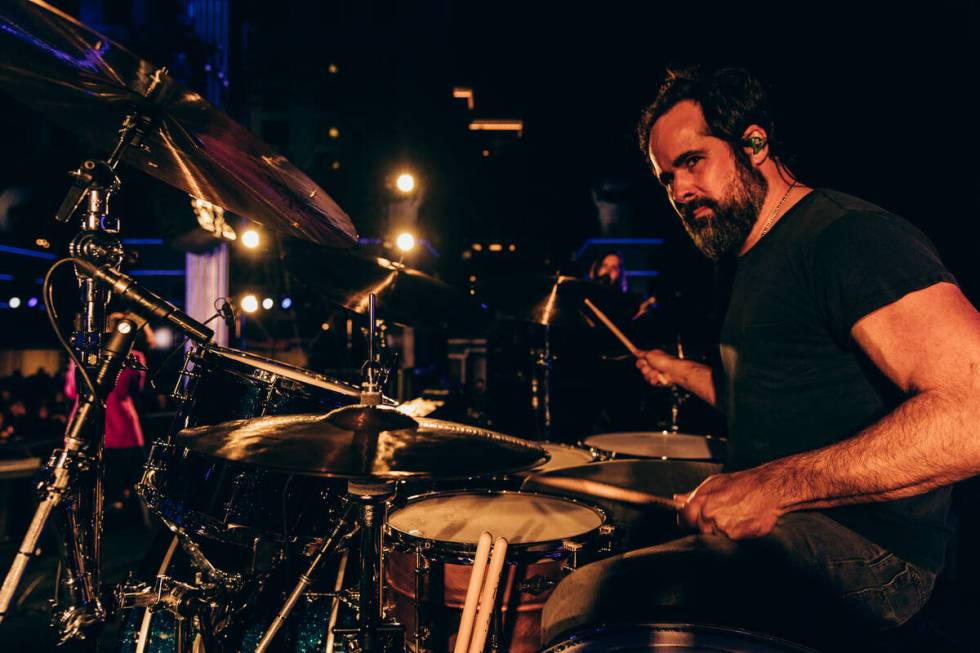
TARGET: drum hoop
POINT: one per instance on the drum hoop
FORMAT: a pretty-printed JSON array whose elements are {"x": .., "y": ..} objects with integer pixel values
[
  {"x": 262, "y": 368},
  {"x": 459, "y": 550},
  {"x": 544, "y": 444},
  {"x": 597, "y": 635}
]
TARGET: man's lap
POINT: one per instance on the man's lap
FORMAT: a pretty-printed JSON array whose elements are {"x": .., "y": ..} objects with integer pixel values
[{"x": 808, "y": 575}]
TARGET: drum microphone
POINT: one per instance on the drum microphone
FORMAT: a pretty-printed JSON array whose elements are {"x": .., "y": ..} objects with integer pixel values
[{"x": 145, "y": 302}]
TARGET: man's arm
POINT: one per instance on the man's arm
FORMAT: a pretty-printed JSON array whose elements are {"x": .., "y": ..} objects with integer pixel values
[
  {"x": 928, "y": 344},
  {"x": 660, "y": 369}
]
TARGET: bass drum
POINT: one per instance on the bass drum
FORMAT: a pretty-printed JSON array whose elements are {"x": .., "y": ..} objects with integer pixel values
[
  {"x": 675, "y": 637},
  {"x": 235, "y": 503}
]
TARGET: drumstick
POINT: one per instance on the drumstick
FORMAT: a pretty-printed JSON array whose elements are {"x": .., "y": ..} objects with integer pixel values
[
  {"x": 489, "y": 597},
  {"x": 607, "y": 491},
  {"x": 473, "y": 593},
  {"x": 633, "y": 349}
]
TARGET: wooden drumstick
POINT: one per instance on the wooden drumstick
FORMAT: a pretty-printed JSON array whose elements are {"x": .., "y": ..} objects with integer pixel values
[
  {"x": 607, "y": 491},
  {"x": 488, "y": 598},
  {"x": 473, "y": 593},
  {"x": 633, "y": 349}
]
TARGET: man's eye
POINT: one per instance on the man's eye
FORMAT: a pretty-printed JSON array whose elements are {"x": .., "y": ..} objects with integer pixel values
[{"x": 693, "y": 161}]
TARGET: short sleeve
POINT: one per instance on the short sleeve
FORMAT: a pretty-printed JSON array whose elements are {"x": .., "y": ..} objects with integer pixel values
[{"x": 867, "y": 260}]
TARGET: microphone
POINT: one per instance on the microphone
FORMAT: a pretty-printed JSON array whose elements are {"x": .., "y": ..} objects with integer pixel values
[
  {"x": 145, "y": 302},
  {"x": 227, "y": 312}
]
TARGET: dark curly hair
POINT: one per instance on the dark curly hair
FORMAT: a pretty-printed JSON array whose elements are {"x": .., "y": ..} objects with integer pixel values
[{"x": 731, "y": 99}]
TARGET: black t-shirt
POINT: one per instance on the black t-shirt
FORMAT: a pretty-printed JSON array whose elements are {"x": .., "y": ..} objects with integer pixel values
[{"x": 794, "y": 380}]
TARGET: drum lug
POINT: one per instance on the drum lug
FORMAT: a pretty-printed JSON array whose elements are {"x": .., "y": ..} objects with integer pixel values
[
  {"x": 571, "y": 562},
  {"x": 536, "y": 585},
  {"x": 607, "y": 532}
]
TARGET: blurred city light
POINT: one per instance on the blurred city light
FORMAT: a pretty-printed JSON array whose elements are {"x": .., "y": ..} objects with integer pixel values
[
  {"x": 405, "y": 182},
  {"x": 251, "y": 239},
  {"x": 250, "y": 303},
  {"x": 405, "y": 242}
]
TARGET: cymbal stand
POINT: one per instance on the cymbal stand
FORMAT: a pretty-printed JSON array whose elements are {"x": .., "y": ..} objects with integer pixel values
[
  {"x": 543, "y": 360},
  {"x": 82, "y": 581},
  {"x": 75, "y": 472}
]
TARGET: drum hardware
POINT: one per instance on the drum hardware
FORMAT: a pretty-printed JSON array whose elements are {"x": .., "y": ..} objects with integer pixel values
[{"x": 71, "y": 472}]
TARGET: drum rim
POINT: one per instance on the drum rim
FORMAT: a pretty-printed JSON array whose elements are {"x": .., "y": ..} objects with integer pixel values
[
  {"x": 455, "y": 549},
  {"x": 595, "y": 635},
  {"x": 284, "y": 370}
]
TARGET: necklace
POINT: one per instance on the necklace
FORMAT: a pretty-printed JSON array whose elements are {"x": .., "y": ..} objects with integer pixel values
[{"x": 775, "y": 211}]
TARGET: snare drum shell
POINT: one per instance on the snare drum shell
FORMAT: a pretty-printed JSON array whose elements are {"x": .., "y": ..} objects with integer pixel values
[{"x": 444, "y": 593}]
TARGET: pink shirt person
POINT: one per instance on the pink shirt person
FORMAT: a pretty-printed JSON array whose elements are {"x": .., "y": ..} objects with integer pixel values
[{"x": 122, "y": 425}]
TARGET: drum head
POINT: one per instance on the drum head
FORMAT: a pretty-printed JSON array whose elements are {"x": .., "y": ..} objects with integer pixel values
[
  {"x": 665, "y": 638},
  {"x": 563, "y": 455},
  {"x": 247, "y": 362},
  {"x": 523, "y": 518},
  {"x": 658, "y": 444}
]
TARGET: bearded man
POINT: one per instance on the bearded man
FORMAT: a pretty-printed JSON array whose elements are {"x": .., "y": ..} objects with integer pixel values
[{"x": 850, "y": 381}]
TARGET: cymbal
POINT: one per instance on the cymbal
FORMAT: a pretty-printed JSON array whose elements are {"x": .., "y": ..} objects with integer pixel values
[
  {"x": 89, "y": 84},
  {"x": 347, "y": 443},
  {"x": 404, "y": 295},
  {"x": 554, "y": 300}
]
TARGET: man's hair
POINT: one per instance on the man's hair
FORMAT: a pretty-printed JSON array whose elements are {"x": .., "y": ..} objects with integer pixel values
[{"x": 731, "y": 99}]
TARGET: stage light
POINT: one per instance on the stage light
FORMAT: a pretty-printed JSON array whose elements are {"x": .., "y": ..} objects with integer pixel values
[
  {"x": 405, "y": 242},
  {"x": 42, "y": 243},
  {"x": 32, "y": 302},
  {"x": 325, "y": 326},
  {"x": 495, "y": 247},
  {"x": 477, "y": 247},
  {"x": 286, "y": 304},
  {"x": 512, "y": 247},
  {"x": 250, "y": 303},
  {"x": 405, "y": 182},
  {"x": 14, "y": 302},
  {"x": 267, "y": 303},
  {"x": 333, "y": 132},
  {"x": 251, "y": 239}
]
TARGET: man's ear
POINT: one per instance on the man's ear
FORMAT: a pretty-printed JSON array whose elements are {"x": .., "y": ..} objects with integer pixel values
[{"x": 756, "y": 143}]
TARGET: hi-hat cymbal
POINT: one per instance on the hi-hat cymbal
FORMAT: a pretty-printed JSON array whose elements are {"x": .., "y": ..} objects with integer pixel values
[
  {"x": 89, "y": 84},
  {"x": 364, "y": 442},
  {"x": 555, "y": 300},
  {"x": 404, "y": 295}
]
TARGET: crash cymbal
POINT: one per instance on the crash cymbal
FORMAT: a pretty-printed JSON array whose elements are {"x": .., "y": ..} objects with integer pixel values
[
  {"x": 554, "y": 300},
  {"x": 404, "y": 295},
  {"x": 89, "y": 84},
  {"x": 345, "y": 444}
]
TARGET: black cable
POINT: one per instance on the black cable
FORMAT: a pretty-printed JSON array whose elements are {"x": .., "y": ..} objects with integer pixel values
[
  {"x": 163, "y": 364},
  {"x": 48, "y": 292}
]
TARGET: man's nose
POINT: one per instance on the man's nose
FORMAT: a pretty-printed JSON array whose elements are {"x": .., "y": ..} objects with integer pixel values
[{"x": 682, "y": 189}]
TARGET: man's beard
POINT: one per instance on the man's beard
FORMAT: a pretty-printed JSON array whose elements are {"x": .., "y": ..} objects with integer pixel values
[{"x": 731, "y": 220}]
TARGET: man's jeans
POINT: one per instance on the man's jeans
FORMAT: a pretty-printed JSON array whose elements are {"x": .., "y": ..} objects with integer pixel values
[{"x": 810, "y": 580}]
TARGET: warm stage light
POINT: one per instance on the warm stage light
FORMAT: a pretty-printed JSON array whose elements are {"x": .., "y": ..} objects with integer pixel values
[
  {"x": 405, "y": 242},
  {"x": 267, "y": 303},
  {"x": 405, "y": 183},
  {"x": 251, "y": 239},
  {"x": 250, "y": 303}
]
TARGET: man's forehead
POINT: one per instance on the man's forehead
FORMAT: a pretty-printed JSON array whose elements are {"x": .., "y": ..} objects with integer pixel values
[{"x": 680, "y": 129}]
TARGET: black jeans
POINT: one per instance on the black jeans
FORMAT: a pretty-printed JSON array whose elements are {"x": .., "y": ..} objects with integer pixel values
[{"x": 811, "y": 580}]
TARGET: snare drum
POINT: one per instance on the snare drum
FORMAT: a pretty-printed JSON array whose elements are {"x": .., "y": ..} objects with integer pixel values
[
  {"x": 665, "y": 445},
  {"x": 236, "y": 503},
  {"x": 434, "y": 542}
]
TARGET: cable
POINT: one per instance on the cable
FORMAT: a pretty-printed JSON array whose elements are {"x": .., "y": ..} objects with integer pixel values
[{"x": 48, "y": 292}]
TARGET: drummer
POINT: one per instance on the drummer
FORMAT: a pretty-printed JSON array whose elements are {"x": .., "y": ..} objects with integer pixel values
[{"x": 849, "y": 381}]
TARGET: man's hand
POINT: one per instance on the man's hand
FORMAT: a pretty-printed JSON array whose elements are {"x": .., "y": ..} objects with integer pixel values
[
  {"x": 655, "y": 365},
  {"x": 741, "y": 505}
]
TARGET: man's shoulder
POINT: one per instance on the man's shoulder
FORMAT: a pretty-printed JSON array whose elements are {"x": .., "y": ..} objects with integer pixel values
[{"x": 831, "y": 214}]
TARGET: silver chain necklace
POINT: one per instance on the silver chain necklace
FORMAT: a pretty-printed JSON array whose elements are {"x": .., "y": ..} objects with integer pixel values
[{"x": 775, "y": 211}]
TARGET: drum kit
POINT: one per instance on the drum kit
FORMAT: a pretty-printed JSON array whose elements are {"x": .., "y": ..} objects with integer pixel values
[{"x": 301, "y": 512}]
